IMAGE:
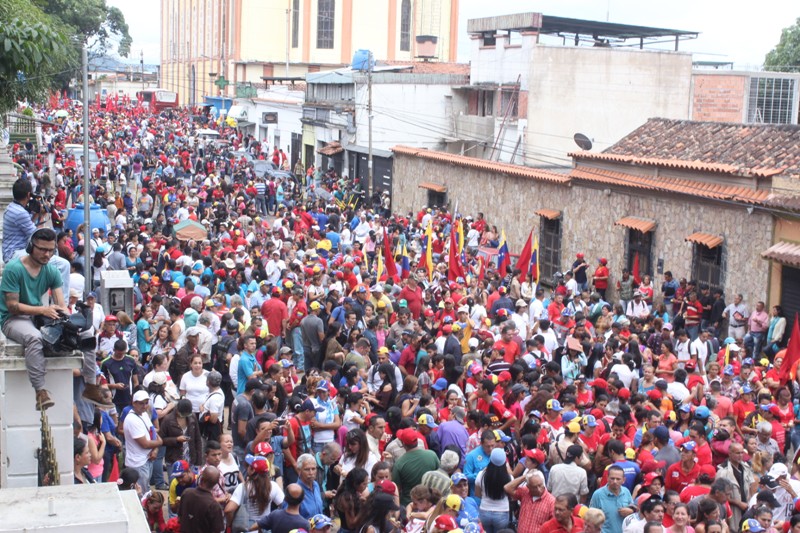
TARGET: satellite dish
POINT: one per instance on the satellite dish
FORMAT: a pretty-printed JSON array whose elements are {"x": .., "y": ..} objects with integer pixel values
[{"x": 584, "y": 142}]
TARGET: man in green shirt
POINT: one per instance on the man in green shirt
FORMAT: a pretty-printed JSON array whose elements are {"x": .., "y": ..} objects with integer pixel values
[
  {"x": 412, "y": 465},
  {"x": 25, "y": 281},
  {"x": 359, "y": 355}
]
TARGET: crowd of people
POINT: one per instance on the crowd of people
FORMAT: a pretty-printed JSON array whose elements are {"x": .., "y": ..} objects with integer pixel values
[{"x": 315, "y": 365}]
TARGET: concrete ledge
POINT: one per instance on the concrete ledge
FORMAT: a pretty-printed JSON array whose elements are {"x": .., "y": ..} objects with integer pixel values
[
  {"x": 74, "y": 508},
  {"x": 53, "y": 363}
]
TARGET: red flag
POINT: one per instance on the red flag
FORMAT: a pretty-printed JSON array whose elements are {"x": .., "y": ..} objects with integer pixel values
[
  {"x": 481, "y": 268},
  {"x": 636, "y": 278},
  {"x": 524, "y": 260},
  {"x": 788, "y": 369},
  {"x": 388, "y": 258},
  {"x": 455, "y": 268}
]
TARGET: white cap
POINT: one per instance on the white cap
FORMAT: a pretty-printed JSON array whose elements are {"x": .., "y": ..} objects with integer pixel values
[
  {"x": 463, "y": 309},
  {"x": 141, "y": 396}
]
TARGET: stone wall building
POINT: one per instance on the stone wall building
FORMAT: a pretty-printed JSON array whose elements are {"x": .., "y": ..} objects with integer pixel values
[{"x": 693, "y": 198}]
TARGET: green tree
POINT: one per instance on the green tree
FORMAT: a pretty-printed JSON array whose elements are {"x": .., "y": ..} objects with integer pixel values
[
  {"x": 785, "y": 57},
  {"x": 34, "y": 49},
  {"x": 100, "y": 25}
]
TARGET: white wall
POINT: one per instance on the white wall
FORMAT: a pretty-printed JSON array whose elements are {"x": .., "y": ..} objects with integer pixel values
[
  {"x": 288, "y": 105},
  {"x": 503, "y": 63},
  {"x": 410, "y": 114},
  {"x": 604, "y": 93}
]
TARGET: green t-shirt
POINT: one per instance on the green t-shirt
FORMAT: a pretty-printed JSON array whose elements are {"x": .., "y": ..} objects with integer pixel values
[
  {"x": 409, "y": 469},
  {"x": 17, "y": 279}
]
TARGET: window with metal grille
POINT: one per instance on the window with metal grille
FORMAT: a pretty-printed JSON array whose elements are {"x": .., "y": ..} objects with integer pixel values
[
  {"x": 772, "y": 100},
  {"x": 708, "y": 266},
  {"x": 549, "y": 249},
  {"x": 405, "y": 26},
  {"x": 489, "y": 39},
  {"x": 295, "y": 23},
  {"x": 642, "y": 244},
  {"x": 326, "y": 9},
  {"x": 437, "y": 198}
]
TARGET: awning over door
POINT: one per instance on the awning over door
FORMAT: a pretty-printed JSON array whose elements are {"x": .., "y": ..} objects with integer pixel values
[
  {"x": 331, "y": 149},
  {"x": 644, "y": 225},
  {"x": 786, "y": 253},
  {"x": 238, "y": 112},
  {"x": 433, "y": 187},
  {"x": 549, "y": 214},
  {"x": 706, "y": 239}
]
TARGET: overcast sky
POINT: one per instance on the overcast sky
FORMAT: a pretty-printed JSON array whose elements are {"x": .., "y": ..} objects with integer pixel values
[{"x": 736, "y": 30}]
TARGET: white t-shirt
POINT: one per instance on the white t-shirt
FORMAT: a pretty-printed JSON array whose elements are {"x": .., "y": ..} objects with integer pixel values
[
  {"x": 215, "y": 403},
  {"x": 488, "y": 504},
  {"x": 275, "y": 500},
  {"x": 624, "y": 373},
  {"x": 196, "y": 389},
  {"x": 230, "y": 473},
  {"x": 136, "y": 426}
]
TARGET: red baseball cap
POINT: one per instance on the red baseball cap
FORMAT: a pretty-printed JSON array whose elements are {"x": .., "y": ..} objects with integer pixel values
[
  {"x": 505, "y": 375},
  {"x": 408, "y": 436},
  {"x": 535, "y": 454},
  {"x": 599, "y": 382},
  {"x": 624, "y": 394}
]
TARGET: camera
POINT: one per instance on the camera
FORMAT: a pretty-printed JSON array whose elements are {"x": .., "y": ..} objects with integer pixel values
[{"x": 36, "y": 204}]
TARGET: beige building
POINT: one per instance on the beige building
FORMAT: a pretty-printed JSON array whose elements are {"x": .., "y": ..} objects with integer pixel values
[{"x": 242, "y": 41}]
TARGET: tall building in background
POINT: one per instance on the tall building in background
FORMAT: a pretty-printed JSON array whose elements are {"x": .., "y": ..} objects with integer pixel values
[{"x": 206, "y": 43}]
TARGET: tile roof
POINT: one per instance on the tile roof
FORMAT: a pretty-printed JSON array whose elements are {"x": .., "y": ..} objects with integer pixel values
[
  {"x": 758, "y": 150},
  {"x": 645, "y": 225},
  {"x": 549, "y": 214},
  {"x": 483, "y": 164},
  {"x": 787, "y": 253},
  {"x": 706, "y": 239},
  {"x": 672, "y": 185},
  {"x": 432, "y": 67},
  {"x": 432, "y": 186}
]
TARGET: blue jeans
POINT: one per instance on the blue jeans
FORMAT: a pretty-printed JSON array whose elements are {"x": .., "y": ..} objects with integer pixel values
[
  {"x": 493, "y": 521},
  {"x": 693, "y": 331},
  {"x": 795, "y": 437},
  {"x": 298, "y": 357},
  {"x": 753, "y": 342},
  {"x": 157, "y": 476},
  {"x": 144, "y": 475}
]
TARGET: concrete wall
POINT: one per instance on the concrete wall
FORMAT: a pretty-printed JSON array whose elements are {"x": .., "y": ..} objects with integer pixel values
[
  {"x": 502, "y": 63},
  {"x": 719, "y": 97},
  {"x": 588, "y": 217},
  {"x": 603, "y": 93}
]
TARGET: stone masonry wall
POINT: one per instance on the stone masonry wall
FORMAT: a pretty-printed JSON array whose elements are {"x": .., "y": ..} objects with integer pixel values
[{"x": 588, "y": 216}]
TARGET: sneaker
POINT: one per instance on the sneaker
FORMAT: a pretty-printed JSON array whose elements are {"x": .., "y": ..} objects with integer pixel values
[
  {"x": 96, "y": 395},
  {"x": 43, "y": 400}
]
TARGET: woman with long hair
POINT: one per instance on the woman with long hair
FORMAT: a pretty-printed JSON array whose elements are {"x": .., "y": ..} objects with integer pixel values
[
  {"x": 258, "y": 494},
  {"x": 193, "y": 383},
  {"x": 350, "y": 499},
  {"x": 82, "y": 457},
  {"x": 386, "y": 396},
  {"x": 667, "y": 362},
  {"x": 356, "y": 452},
  {"x": 379, "y": 514},
  {"x": 489, "y": 488},
  {"x": 162, "y": 344},
  {"x": 708, "y": 519},
  {"x": 407, "y": 400}
]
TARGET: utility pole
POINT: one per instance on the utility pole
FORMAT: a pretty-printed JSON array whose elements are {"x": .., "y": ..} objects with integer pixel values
[
  {"x": 141, "y": 61},
  {"x": 369, "y": 118},
  {"x": 87, "y": 231},
  {"x": 288, "y": 28}
]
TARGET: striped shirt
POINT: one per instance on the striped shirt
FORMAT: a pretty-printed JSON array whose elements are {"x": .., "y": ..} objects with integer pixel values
[
  {"x": 17, "y": 230},
  {"x": 261, "y": 188}
]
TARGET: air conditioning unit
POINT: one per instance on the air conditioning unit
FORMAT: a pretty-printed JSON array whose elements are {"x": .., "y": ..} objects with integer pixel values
[{"x": 269, "y": 117}]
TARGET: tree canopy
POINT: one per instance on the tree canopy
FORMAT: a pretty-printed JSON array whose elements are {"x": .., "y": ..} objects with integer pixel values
[
  {"x": 785, "y": 57},
  {"x": 100, "y": 25},
  {"x": 34, "y": 49}
]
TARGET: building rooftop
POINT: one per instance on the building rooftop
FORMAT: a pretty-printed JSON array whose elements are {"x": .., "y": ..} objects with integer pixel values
[
  {"x": 602, "y": 33},
  {"x": 754, "y": 150},
  {"x": 430, "y": 67}
]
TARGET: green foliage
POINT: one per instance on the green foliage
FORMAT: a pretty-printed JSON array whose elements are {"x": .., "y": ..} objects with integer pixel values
[
  {"x": 785, "y": 57},
  {"x": 101, "y": 26},
  {"x": 33, "y": 48}
]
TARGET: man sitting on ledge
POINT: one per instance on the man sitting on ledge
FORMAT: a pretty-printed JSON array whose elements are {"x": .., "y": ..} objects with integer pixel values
[{"x": 25, "y": 280}]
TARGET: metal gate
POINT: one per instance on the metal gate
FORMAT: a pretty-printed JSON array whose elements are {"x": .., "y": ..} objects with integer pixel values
[{"x": 790, "y": 295}]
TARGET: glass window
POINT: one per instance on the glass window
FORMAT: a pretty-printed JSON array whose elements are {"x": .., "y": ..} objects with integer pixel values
[
  {"x": 405, "y": 26},
  {"x": 326, "y": 10}
]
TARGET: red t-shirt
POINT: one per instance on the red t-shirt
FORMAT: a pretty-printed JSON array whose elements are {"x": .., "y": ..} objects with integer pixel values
[
  {"x": 703, "y": 454},
  {"x": 511, "y": 350},
  {"x": 741, "y": 409},
  {"x": 275, "y": 312},
  {"x": 693, "y": 491},
  {"x": 414, "y": 299},
  {"x": 602, "y": 271},
  {"x": 678, "y": 480},
  {"x": 495, "y": 408}
]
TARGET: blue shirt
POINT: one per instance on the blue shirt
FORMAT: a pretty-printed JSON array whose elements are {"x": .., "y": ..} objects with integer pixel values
[
  {"x": 17, "y": 230},
  {"x": 632, "y": 472},
  {"x": 476, "y": 461},
  {"x": 610, "y": 504},
  {"x": 247, "y": 365},
  {"x": 312, "y": 500}
]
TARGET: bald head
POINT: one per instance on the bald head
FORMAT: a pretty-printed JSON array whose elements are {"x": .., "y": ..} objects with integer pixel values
[
  {"x": 294, "y": 495},
  {"x": 209, "y": 477}
]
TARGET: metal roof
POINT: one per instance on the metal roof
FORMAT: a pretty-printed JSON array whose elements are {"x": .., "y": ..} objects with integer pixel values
[{"x": 562, "y": 26}]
